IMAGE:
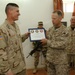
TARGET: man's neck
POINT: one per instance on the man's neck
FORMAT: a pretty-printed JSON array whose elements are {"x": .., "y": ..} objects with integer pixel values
[
  {"x": 72, "y": 27},
  {"x": 57, "y": 26},
  {"x": 10, "y": 21}
]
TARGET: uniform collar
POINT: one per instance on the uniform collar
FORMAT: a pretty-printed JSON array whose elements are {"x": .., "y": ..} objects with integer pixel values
[
  {"x": 10, "y": 26},
  {"x": 60, "y": 27},
  {"x": 72, "y": 29}
]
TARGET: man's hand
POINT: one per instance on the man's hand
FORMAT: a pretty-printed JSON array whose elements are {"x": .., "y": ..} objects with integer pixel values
[
  {"x": 27, "y": 34},
  {"x": 44, "y": 41}
]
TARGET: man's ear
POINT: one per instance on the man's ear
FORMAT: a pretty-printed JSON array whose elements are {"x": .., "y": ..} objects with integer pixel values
[
  {"x": 10, "y": 11},
  {"x": 61, "y": 17}
]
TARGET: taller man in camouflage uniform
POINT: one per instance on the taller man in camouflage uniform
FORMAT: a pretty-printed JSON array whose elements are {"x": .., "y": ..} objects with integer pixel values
[
  {"x": 56, "y": 42},
  {"x": 42, "y": 49},
  {"x": 71, "y": 43},
  {"x": 11, "y": 52}
]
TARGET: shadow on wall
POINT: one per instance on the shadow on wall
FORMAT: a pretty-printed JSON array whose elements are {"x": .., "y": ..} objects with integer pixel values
[{"x": 64, "y": 23}]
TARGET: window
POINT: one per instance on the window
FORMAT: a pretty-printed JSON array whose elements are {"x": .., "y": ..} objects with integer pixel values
[{"x": 68, "y": 5}]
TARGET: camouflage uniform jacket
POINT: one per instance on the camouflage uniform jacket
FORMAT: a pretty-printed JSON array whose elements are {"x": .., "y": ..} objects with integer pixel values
[
  {"x": 11, "y": 51},
  {"x": 71, "y": 41},
  {"x": 57, "y": 41}
]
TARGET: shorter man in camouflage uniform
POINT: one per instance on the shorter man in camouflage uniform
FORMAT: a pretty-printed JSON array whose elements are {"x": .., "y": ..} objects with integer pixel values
[
  {"x": 71, "y": 43},
  {"x": 42, "y": 49},
  {"x": 11, "y": 51},
  {"x": 57, "y": 62}
]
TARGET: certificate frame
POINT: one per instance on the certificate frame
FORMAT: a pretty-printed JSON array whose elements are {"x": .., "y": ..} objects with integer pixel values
[{"x": 37, "y": 34}]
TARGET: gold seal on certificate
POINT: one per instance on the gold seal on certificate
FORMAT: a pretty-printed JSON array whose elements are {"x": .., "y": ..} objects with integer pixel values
[{"x": 37, "y": 34}]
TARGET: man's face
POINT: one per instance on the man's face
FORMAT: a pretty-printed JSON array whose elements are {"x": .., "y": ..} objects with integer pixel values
[
  {"x": 56, "y": 19},
  {"x": 14, "y": 13},
  {"x": 40, "y": 26},
  {"x": 73, "y": 21}
]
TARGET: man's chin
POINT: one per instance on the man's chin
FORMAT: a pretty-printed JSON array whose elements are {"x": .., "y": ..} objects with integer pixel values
[{"x": 15, "y": 19}]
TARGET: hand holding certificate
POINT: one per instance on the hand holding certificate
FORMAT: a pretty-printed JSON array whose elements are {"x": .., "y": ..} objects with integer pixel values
[{"x": 37, "y": 34}]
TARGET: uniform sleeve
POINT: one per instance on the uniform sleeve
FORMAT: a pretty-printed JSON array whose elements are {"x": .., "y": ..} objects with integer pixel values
[
  {"x": 4, "y": 65},
  {"x": 59, "y": 42},
  {"x": 23, "y": 37}
]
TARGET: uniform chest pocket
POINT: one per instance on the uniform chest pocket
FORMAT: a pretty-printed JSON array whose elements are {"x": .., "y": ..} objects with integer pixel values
[
  {"x": 59, "y": 36},
  {"x": 11, "y": 33},
  {"x": 12, "y": 37}
]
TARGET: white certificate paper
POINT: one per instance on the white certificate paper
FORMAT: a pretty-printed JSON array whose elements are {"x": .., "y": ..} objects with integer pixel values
[{"x": 37, "y": 34}]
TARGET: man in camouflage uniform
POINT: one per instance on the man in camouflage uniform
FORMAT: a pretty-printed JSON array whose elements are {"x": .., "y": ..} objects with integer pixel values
[
  {"x": 57, "y": 62},
  {"x": 42, "y": 49},
  {"x": 11, "y": 52},
  {"x": 71, "y": 42}
]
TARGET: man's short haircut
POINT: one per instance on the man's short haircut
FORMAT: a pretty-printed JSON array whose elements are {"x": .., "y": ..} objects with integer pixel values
[
  {"x": 59, "y": 12},
  {"x": 9, "y": 5}
]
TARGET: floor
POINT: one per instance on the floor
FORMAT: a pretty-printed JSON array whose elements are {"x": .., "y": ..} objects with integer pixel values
[
  {"x": 43, "y": 72},
  {"x": 72, "y": 72},
  {"x": 40, "y": 72}
]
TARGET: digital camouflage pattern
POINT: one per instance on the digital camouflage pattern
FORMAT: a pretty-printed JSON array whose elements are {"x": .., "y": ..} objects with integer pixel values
[
  {"x": 57, "y": 62},
  {"x": 11, "y": 51},
  {"x": 71, "y": 46}
]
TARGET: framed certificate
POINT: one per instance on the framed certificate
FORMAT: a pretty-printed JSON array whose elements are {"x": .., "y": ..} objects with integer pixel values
[{"x": 36, "y": 34}]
